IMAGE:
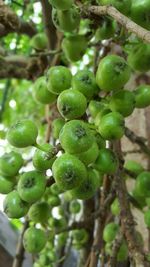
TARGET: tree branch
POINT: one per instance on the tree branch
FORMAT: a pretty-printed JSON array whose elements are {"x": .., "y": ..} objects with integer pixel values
[{"x": 126, "y": 22}]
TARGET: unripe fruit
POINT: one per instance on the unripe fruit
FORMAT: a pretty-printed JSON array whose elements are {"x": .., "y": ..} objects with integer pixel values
[
  {"x": 112, "y": 126},
  {"x": 110, "y": 232},
  {"x": 43, "y": 161},
  {"x": 140, "y": 13},
  {"x": 55, "y": 190},
  {"x": 143, "y": 184},
  {"x": 106, "y": 162},
  {"x": 61, "y": 5},
  {"x": 122, "y": 253},
  {"x": 88, "y": 157},
  {"x": 123, "y": 6},
  {"x": 115, "y": 207},
  {"x": 62, "y": 239},
  {"x": 123, "y": 102},
  {"x": 6, "y": 184},
  {"x": 133, "y": 166},
  {"x": 139, "y": 199},
  {"x": 106, "y": 110},
  {"x": 147, "y": 218},
  {"x": 68, "y": 171},
  {"x": 88, "y": 186},
  {"x": 57, "y": 125},
  {"x": 100, "y": 141},
  {"x": 80, "y": 236},
  {"x": 106, "y": 30},
  {"x": 76, "y": 137},
  {"x": 58, "y": 79},
  {"x": 31, "y": 186},
  {"x": 142, "y": 96},
  {"x": 14, "y": 206},
  {"x": 74, "y": 47},
  {"x": 41, "y": 93},
  {"x": 95, "y": 107},
  {"x": 71, "y": 104},
  {"x": 75, "y": 207},
  {"x": 54, "y": 201},
  {"x": 113, "y": 73},
  {"x": 10, "y": 163},
  {"x": 39, "y": 41},
  {"x": 57, "y": 223},
  {"x": 34, "y": 240},
  {"x": 39, "y": 212},
  {"x": 84, "y": 81},
  {"x": 22, "y": 134}
]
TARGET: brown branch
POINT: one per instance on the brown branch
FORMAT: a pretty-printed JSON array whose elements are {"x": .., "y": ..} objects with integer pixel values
[
  {"x": 115, "y": 248},
  {"x": 126, "y": 22},
  {"x": 18, "y": 260},
  {"x": 10, "y": 22}
]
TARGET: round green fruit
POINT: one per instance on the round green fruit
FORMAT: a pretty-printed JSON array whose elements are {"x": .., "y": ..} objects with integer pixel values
[
  {"x": 106, "y": 30},
  {"x": 58, "y": 79},
  {"x": 88, "y": 157},
  {"x": 22, "y": 134},
  {"x": 14, "y": 206},
  {"x": 115, "y": 207},
  {"x": 88, "y": 186},
  {"x": 76, "y": 137},
  {"x": 57, "y": 223},
  {"x": 123, "y": 6},
  {"x": 104, "y": 111},
  {"x": 80, "y": 236},
  {"x": 39, "y": 41},
  {"x": 100, "y": 141},
  {"x": 68, "y": 171},
  {"x": 123, "y": 252},
  {"x": 143, "y": 184},
  {"x": 34, "y": 240},
  {"x": 133, "y": 166},
  {"x": 61, "y": 5},
  {"x": 10, "y": 163},
  {"x": 75, "y": 207},
  {"x": 113, "y": 73},
  {"x": 54, "y": 201},
  {"x": 41, "y": 93},
  {"x": 140, "y": 200},
  {"x": 142, "y": 96},
  {"x": 55, "y": 190},
  {"x": 110, "y": 232},
  {"x": 74, "y": 47},
  {"x": 43, "y": 160},
  {"x": 123, "y": 102},
  {"x": 112, "y": 126},
  {"x": 39, "y": 212},
  {"x": 62, "y": 239},
  {"x": 57, "y": 125},
  {"x": 31, "y": 186},
  {"x": 6, "y": 184},
  {"x": 71, "y": 104},
  {"x": 95, "y": 107},
  {"x": 139, "y": 57},
  {"x": 84, "y": 81},
  {"x": 140, "y": 11},
  {"x": 106, "y": 162}
]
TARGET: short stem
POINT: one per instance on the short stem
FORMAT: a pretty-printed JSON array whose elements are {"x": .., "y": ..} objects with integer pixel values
[{"x": 40, "y": 147}]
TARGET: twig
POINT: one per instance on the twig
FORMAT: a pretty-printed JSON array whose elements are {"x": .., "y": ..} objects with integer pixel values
[
  {"x": 115, "y": 248},
  {"x": 20, "y": 249},
  {"x": 4, "y": 98},
  {"x": 126, "y": 22},
  {"x": 46, "y": 53}
]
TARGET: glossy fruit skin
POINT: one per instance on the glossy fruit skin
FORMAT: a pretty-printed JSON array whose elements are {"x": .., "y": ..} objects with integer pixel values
[
  {"x": 61, "y": 5},
  {"x": 115, "y": 207},
  {"x": 112, "y": 126},
  {"x": 68, "y": 171},
  {"x": 88, "y": 157},
  {"x": 14, "y": 206},
  {"x": 39, "y": 41},
  {"x": 110, "y": 232},
  {"x": 139, "y": 199},
  {"x": 34, "y": 240},
  {"x": 106, "y": 110},
  {"x": 143, "y": 184},
  {"x": 43, "y": 161},
  {"x": 95, "y": 107},
  {"x": 57, "y": 223},
  {"x": 58, "y": 79},
  {"x": 84, "y": 81},
  {"x": 39, "y": 212},
  {"x": 76, "y": 137},
  {"x": 113, "y": 73},
  {"x": 71, "y": 104},
  {"x": 123, "y": 102},
  {"x": 133, "y": 166},
  {"x": 66, "y": 20},
  {"x": 54, "y": 201},
  {"x": 147, "y": 218},
  {"x": 55, "y": 190},
  {"x": 31, "y": 186},
  {"x": 22, "y": 134},
  {"x": 139, "y": 57},
  {"x": 41, "y": 93},
  {"x": 75, "y": 207},
  {"x": 10, "y": 163},
  {"x": 80, "y": 236},
  {"x": 107, "y": 161},
  {"x": 88, "y": 186},
  {"x": 142, "y": 96},
  {"x": 106, "y": 30},
  {"x": 6, "y": 184},
  {"x": 123, "y": 6},
  {"x": 74, "y": 47},
  {"x": 140, "y": 13},
  {"x": 57, "y": 125}
]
